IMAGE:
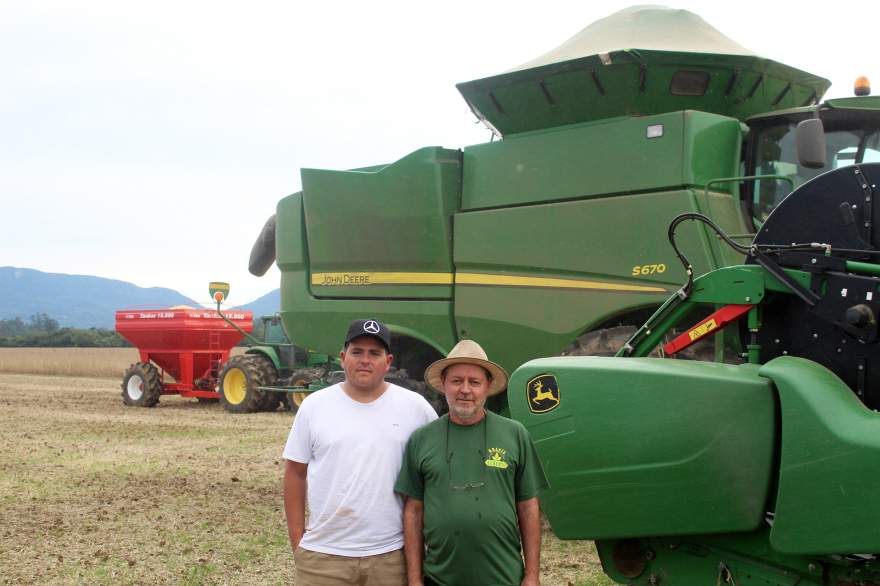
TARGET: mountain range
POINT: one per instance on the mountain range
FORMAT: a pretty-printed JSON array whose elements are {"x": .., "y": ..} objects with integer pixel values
[{"x": 83, "y": 301}]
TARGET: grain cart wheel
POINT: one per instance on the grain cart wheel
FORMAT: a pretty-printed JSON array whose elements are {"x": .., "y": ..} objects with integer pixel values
[
  {"x": 240, "y": 380},
  {"x": 141, "y": 385}
]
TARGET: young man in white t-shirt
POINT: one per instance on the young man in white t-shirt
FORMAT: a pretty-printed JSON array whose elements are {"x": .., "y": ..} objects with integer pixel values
[{"x": 343, "y": 454}]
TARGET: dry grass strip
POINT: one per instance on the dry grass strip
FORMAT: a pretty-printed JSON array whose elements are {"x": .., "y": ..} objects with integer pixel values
[{"x": 90, "y": 362}]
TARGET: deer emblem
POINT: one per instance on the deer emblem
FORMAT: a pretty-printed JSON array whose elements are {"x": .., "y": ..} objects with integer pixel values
[{"x": 542, "y": 394}]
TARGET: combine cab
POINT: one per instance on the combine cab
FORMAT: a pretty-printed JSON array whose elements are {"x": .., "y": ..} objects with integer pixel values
[{"x": 691, "y": 472}]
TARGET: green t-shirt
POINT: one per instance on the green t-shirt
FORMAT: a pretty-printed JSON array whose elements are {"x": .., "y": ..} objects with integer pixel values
[{"x": 470, "y": 479}]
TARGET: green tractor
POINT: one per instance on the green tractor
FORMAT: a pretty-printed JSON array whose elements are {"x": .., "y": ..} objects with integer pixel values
[
  {"x": 689, "y": 472},
  {"x": 551, "y": 240},
  {"x": 272, "y": 371}
]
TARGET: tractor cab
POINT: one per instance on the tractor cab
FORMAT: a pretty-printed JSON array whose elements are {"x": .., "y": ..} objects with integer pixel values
[{"x": 273, "y": 329}]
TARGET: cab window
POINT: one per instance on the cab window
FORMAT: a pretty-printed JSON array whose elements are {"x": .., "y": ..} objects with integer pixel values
[{"x": 849, "y": 140}]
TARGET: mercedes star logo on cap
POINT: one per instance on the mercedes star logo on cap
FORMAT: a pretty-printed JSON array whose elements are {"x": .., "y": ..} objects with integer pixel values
[{"x": 371, "y": 327}]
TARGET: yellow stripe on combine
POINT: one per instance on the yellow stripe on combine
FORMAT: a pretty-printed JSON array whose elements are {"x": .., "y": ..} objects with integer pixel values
[
  {"x": 512, "y": 281},
  {"x": 360, "y": 279}
]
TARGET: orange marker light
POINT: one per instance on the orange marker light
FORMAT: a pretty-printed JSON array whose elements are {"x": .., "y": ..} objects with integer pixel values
[{"x": 862, "y": 86}]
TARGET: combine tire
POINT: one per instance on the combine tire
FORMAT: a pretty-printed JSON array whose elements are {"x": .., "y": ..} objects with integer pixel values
[
  {"x": 401, "y": 378},
  {"x": 607, "y": 342},
  {"x": 141, "y": 385},
  {"x": 600, "y": 342},
  {"x": 240, "y": 380}
]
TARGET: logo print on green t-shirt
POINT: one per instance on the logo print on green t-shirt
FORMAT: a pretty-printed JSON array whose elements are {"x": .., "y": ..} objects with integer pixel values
[{"x": 496, "y": 458}]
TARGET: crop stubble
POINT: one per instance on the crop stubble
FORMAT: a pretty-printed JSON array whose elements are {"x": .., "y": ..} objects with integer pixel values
[{"x": 93, "y": 492}]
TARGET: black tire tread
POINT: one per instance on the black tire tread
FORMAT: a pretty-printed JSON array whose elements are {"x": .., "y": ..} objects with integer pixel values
[
  {"x": 152, "y": 384},
  {"x": 267, "y": 374},
  {"x": 255, "y": 378}
]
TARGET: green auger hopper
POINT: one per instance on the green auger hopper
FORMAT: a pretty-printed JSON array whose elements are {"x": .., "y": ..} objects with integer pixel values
[
  {"x": 552, "y": 240},
  {"x": 763, "y": 472}
]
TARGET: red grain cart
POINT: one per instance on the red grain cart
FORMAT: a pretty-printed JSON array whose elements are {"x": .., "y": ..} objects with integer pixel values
[{"x": 189, "y": 345}]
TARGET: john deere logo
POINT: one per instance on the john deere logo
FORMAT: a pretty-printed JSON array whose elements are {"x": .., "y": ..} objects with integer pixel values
[
  {"x": 496, "y": 458},
  {"x": 543, "y": 393}
]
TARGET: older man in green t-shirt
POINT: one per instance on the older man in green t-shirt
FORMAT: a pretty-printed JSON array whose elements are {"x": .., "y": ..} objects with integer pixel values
[{"x": 471, "y": 479}]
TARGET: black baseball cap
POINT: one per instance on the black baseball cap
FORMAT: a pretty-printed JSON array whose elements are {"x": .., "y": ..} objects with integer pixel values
[{"x": 369, "y": 327}]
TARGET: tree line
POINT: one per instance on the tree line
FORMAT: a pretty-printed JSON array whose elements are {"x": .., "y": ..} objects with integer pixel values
[{"x": 42, "y": 331}]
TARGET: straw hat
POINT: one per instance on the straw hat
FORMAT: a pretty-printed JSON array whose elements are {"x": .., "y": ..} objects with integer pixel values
[{"x": 467, "y": 352}]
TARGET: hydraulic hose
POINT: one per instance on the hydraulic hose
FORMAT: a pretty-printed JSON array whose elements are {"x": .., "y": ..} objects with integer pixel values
[{"x": 685, "y": 290}]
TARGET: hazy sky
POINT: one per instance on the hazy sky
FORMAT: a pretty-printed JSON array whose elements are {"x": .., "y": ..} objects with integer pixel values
[{"x": 150, "y": 141}]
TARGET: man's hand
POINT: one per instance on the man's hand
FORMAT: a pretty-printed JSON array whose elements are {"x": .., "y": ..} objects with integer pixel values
[
  {"x": 295, "y": 475},
  {"x": 530, "y": 581}
]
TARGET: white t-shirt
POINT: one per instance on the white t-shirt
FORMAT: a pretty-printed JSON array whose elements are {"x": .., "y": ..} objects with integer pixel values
[{"x": 354, "y": 451}]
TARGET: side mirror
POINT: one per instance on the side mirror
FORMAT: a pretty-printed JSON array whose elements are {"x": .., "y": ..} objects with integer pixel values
[{"x": 809, "y": 139}]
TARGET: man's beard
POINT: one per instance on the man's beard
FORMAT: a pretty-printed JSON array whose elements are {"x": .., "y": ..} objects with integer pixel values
[{"x": 464, "y": 413}]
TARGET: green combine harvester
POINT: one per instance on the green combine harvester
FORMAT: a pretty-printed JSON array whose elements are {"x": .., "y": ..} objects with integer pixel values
[
  {"x": 552, "y": 240},
  {"x": 552, "y": 244}
]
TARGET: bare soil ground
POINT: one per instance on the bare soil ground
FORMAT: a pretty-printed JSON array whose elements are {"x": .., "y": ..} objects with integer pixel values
[{"x": 93, "y": 492}]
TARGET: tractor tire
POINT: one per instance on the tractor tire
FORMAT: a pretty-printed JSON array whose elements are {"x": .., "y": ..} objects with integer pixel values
[
  {"x": 300, "y": 378},
  {"x": 269, "y": 401},
  {"x": 141, "y": 385},
  {"x": 240, "y": 382}
]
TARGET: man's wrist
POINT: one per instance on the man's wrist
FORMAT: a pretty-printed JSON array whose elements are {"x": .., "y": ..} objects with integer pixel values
[{"x": 295, "y": 538}]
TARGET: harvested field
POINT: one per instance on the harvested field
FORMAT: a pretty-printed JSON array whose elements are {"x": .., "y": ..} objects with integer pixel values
[{"x": 93, "y": 492}]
